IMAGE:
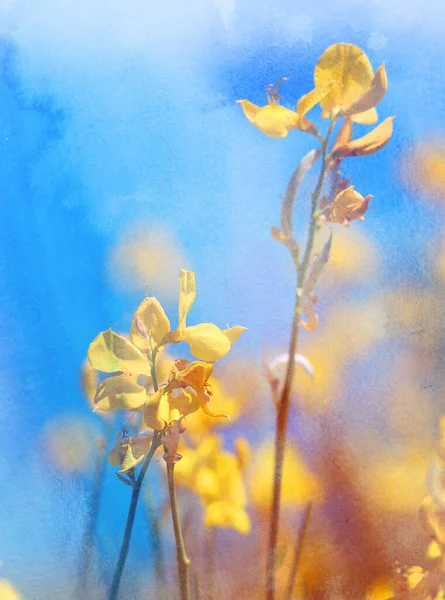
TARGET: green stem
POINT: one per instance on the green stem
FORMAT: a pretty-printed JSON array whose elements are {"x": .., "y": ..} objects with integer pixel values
[
  {"x": 87, "y": 544},
  {"x": 181, "y": 555},
  {"x": 282, "y": 416},
  {"x": 114, "y": 590},
  {"x": 298, "y": 550}
]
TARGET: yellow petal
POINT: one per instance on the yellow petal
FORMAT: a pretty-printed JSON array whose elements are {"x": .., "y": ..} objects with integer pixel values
[
  {"x": 207, "y": 341},
  {"x": 371, "y": 96},
  {"x": 120, "y": 391},
  {"x": 204, "y": 402},
  {"x": 182, "y": 404},
  {"x": 111, "y": 352},
  {"x": 227, "y": 516},
  {"x": 369, "y": 143},
  {"x": 187, "y": 295},
  {"x": 276, "y": 121},
  {"x": 195, "y": 375},
  {"x": 369, "y": 117},
  {"x": 155, "y": 321},
  {"x": 233, "y": 333},
  {"x": 309, "y": 100},
  {"x": 90, "y": 381},
  {"x": 250, "y": 110},
  {"x": 156, "y": 413},
  {"x": 115, "y": 456},
  {"x": 344, "y": 72},
  {"x": 434, "y": 550},
  {"x": 344, "y": 134}
]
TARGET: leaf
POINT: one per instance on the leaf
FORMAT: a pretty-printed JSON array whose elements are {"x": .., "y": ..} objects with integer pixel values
[
  {"x": 111, "y": 352},
  {"x": 124, "y": 480},
  {"x": 318, "y": 266},
  {"x": 293, "y": 186},
  {"x": 129, "y": 461},
  {"x": 187, "y": 295}
]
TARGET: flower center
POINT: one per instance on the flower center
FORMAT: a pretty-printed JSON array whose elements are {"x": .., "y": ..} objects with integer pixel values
[{"x": 273, "y": 97}]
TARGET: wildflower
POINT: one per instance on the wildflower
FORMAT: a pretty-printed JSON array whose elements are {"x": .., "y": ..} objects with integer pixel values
[
  {"x": 215, "y": 476},
  {"x": 206, "y": 341},
  {"x": 274, "y": 120},
  {"x": 149, "y": 332},
  {"x": 345, "y": 85},
  {"x": 348, "y": 206}
]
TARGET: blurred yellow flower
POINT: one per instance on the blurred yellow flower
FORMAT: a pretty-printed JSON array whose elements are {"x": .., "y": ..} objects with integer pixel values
[
  {"x": 69, "y": 444},
  {"x": 274, "y": 120},
  {"x": 298, "y": 486},
  {"x": 8, "y": 591},
  {"x": 146, "y": 255},
  {"x": 424, "y": 170},
  {"x": 346, "y": 85},
  {"x": 397, "y": 484},
  {"x": 353, "y": 258},
  {"x": 215, "y": 476}
]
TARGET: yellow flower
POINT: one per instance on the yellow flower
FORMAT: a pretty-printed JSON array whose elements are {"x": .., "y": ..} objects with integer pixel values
[
  {"x": 348, "y": 206},
  {"x": 274, "y": 120},
  {"x": 69, "y": 444},
  {"x": 215, "y": 476},
  {"x": 345, "y": 85},
  {"x": 8, "y": 591},
  {"x": 207, "y": 341},
  {"x": 149, "y": 332}
]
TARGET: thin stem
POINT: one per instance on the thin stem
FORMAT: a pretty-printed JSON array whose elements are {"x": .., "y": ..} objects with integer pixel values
[
  {"x": 284, "y": 401},
  {"x": 181, "y": 555},
  {"x": 87, "y": 544},
  {"x": 298, "y": 550},
  {"x": 114, "y": 590},
  {"x": 130, "y": 519},
  {"x": 155, "y": 538}
]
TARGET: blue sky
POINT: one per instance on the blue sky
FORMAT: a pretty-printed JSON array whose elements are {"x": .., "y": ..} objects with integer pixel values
[{"x": 115, "y": 114}]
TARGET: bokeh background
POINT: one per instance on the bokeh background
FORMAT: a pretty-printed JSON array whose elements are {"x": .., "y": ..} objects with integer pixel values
[{"x": 125, "y": 157}]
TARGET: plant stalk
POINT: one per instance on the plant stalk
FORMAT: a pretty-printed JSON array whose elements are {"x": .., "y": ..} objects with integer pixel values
[
  {"x": 137, "y": 485},
  {"x": 181, "y": 555},
  {"x": 298, "y": 550},
  {"x": 282, "y": 416}
]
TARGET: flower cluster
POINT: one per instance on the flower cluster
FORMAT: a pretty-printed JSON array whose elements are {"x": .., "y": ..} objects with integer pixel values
[
  {"x": 132, "y": 382},
  {"x": 345, "y": 87}
]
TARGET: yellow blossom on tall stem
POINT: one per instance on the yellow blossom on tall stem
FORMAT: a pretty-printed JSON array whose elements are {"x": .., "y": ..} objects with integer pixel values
[
  {"x": 345, "y": 88},
  {"x": 132, "y": 385},
  {"x": 273, "y": 119}
]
